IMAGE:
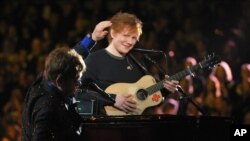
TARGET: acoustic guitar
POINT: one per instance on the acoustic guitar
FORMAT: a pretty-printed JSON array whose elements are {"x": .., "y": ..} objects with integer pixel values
[{"x": 146, "y": 91}]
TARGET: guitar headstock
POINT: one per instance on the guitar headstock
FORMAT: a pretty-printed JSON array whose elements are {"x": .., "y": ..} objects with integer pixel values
[{"x": 210, "y": 61}]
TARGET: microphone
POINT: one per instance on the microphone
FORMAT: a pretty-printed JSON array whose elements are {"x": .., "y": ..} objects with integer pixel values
[
  {"x": 189, "y": 99},
  {"x": 147, "y": 50},
  {"x": 88, "y": 83},
  {"x": 183, "y": 94}
]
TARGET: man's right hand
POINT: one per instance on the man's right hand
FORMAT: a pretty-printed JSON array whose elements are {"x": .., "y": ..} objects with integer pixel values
[
  {"x": 125, "y": 103},
  {"x": 99, "y": 31}
]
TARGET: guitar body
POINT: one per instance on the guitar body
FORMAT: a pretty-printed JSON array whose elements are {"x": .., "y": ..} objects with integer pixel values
[{"x": 132, "y": 88}]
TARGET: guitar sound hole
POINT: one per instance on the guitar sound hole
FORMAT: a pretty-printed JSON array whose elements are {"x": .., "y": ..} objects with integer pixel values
[{"x": 142, "y": 94}]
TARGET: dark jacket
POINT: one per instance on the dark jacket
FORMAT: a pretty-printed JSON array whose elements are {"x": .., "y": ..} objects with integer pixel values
[{"x": 49, "y": 115}]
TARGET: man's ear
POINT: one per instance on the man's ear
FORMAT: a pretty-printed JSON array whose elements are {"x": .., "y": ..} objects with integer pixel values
[
  {"x": 59, "y": 80},
  {"x": 112, "y": 33}
]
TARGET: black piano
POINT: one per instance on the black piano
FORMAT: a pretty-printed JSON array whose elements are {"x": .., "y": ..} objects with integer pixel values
[{"x": 156, "y": 128}]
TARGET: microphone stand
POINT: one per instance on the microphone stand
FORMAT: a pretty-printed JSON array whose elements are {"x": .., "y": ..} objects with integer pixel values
[
  {"x": 102, "y": 92},
  {"x": 186, "y": 96},
  {"x": 138, "y": 49},
  {"x": 90, "y": 85},
  {"x": 156, "y": 64}
]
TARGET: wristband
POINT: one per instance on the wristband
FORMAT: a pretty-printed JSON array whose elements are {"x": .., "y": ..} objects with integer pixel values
[{"x": 87, "y": 43}]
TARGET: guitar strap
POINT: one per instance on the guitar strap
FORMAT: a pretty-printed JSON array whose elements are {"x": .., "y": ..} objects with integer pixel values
[{"x": 137, "y": 62}]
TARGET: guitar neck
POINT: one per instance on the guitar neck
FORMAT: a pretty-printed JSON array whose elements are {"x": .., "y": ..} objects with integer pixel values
[{"x": 159, "y": 85}]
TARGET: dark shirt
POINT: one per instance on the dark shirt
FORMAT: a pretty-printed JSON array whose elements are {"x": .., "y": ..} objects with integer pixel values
[
  {"x": 49, "y": 114},
  {"x": 106, "y": 69}
]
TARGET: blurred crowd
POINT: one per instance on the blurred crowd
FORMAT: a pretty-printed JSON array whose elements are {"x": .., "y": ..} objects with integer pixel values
[{"x": 186, "y": 30}]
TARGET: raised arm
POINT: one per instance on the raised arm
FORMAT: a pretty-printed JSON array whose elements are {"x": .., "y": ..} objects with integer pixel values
[{"x": 89, "y": 41}]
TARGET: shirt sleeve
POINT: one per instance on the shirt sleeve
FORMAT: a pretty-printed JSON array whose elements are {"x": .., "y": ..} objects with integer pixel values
[{"x": 84, "y": 46}]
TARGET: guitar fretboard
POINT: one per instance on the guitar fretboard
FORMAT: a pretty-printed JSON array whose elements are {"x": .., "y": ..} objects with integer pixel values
[{"x": 158, "y": 86}]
